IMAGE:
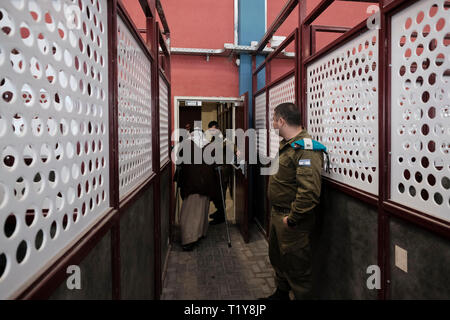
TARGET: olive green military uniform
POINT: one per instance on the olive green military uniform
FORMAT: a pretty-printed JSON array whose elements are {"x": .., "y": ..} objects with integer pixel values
[{"x": 294, "y": 191}]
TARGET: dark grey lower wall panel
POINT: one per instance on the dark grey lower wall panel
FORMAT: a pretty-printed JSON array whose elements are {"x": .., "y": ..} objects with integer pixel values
[
  {"x": 137, "y": 251},
  {"x": 96, "y": 278},
  {"x": 165, "y": 214},
  {"x": 428, "y": 275},
  {"x": 260, "y": 195},
  {"x": 344, "y": 244}
]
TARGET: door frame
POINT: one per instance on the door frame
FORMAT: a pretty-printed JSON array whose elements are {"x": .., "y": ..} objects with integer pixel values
[
  {"x": 177, "y": 99},
  {"x": 176, "y": 124}
]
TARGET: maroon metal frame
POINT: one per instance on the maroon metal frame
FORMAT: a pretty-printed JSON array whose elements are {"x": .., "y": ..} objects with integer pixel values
[
  {"x": 329, "y": 29},
  {"x": 49, "y": 280},
  {"x": 306, "y": 54}
]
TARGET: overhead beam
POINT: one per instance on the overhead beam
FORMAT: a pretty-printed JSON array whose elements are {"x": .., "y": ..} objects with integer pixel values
[
  {"x": 162, "y": 17},
  {"x": 285, "y": 12},
  {"x": 318, "y": 10}
]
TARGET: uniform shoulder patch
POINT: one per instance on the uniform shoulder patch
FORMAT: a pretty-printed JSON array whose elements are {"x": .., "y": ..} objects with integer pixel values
[{"x": 304, "y": 162}]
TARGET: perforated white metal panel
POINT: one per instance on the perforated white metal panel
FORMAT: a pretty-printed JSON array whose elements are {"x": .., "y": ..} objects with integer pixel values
[
  {"x": 163, "y": 121},
  {"x": 54, "y": 172},
  {"x": 260, "y": 123},
  {"x": 135, "y": 134},
  {"x": 343, "y": 110},
  {"x": 281, "y": 93},
  {"x": 420, "y": 108}
]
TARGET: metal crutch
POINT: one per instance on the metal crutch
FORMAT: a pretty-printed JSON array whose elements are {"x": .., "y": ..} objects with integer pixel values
[{"x": 219, "y": 168}]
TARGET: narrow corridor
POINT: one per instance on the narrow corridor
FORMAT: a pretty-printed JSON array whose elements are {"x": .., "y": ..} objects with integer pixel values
[{"x": 212, "y": 271}]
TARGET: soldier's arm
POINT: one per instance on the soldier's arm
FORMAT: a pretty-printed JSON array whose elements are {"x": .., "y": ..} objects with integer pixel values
[{"x": 308, "y": 179}]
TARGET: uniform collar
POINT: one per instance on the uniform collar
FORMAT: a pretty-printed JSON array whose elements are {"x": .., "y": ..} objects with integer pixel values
[{"x": 303, "y": 134}]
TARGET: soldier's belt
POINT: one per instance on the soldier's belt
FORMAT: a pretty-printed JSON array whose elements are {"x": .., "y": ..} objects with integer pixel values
[{"x": 281, "y": 209}]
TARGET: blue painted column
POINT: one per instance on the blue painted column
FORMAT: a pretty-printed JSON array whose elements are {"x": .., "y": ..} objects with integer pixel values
[{"x": 251, "y": 27}]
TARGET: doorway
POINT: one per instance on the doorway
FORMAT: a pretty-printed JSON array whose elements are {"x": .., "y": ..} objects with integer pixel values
[{"x": 207, "y": 109}]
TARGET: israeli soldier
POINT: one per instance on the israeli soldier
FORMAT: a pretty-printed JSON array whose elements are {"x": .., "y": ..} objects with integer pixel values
[{"x": 293, "y": 192}]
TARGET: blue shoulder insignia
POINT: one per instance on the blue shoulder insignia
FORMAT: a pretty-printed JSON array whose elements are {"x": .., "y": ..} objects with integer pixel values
[{"x": 310, "y": 144}]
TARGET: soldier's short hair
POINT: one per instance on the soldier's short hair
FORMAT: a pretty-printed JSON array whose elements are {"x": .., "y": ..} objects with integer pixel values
[{"x": 289, "y": 112}]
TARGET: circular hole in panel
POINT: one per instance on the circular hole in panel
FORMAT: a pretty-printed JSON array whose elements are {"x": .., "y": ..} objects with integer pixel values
[
  {"x": 3, "y": 126},
  {"x": 44, "y": 99},
  {"x": 9, "y": 157},
  {"x": 439, "y": 129},
  {"x": 418, "y": 176},
  {"x": 3, "y": 194},
  {"x": 414, "y": 35},
  {"x": 432, "y": 45},
  {"x": 425, "y": 64},
  {"x": 413, "y": 67},
  {"x": 431, "y": 180},
  {"x": 440, "y": 59},
  {"x": 29, "y": 155},
  {"x": 49, "y": 21},
  {"x": 420, "y": 17},
  {"x": 47, "y": 207},
  {"x": 438, "y": 198},
  {"x": 19, "y": 125},
  {"x": 432, "y": 78},
  {"x": 433, "y": 10},
  {"x": 419, "y": 50},
  {"x": 425, "y": 129},
  {"x": 401, "y": 188},
  {"x": 27, "y": 95},
  {"x": 17, "y": 60},
  {"x": 445, "y": 183},
  {"x": 431, "y": 146},
  {"x": 75, "y": 215},
  {"x": 59, "y": 201},
  {"x": 432, "y": 112},
  {"x": 438, "y": 164},
  {"x": 30, "y": 215},
  {"x": 38, "y": 183},
  {"x": 53, "y": 230},
  {"x": 70, "y": 195},
  {"x": 52, "y": 178},
  {"x": 57, "y": 52},
  {"x": 59, "y": 151},
  {"x": 407, "y": 174},
  {"x": 36, "y": 126},
  {"x": 65, "y": 222},
  {"x": 65, "y": 174},
  {"x": 424, "y": 194},
  {"x": 43, "y": 44},
  {"x": 21, "y": 252},
  {"x": 7, "y": 25},
  {"x": 440, "y": 24},
  {"x": 7, "y": 90},
  {"x": 39, "y": 239},
  {"x": 68, "y": 58},
  {"x": 75, "y": 171},
  {"x": 50, "y": 73},
  {"x": 52, "y": 127},
  {"x": 10, "y": 225},
  {"x": 425, "y": 162},
  {"x": 412, "y": 191},
  {"x": 21, "y": 188},
  {"x": 63, "y": 127},
  {"x": 426, "y": 30},
  {"x": 3, "y": 264},
  {"x": 445, "y": 147}
]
